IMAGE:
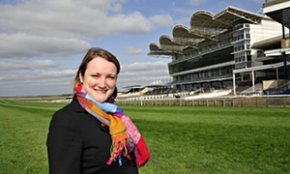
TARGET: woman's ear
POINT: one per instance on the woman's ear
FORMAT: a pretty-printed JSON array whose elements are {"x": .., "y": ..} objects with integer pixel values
[{"x": 81, "y": 78}]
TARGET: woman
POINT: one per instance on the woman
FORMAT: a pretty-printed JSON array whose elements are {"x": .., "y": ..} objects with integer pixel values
[{"x": 91, "y": 135}]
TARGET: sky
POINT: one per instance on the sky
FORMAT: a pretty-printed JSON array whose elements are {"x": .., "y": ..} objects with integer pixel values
[{"x": 43, "y": 42}]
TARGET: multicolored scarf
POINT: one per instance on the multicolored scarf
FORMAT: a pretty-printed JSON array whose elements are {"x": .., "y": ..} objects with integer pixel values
[{"x": 125, "y": 136}]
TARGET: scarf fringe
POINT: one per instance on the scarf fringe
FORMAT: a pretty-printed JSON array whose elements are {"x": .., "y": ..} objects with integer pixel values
[{"x": 118, "y": 148}]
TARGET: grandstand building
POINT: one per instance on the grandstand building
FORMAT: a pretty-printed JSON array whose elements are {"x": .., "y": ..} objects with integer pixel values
[{"x": 215, "y": 51}]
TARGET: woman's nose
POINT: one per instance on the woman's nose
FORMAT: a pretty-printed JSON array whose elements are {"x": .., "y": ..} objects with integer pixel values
[{"x": 102, "y": 82}]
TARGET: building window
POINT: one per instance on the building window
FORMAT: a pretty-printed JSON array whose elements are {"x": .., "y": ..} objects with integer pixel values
[{"x": 239, "y": 47}]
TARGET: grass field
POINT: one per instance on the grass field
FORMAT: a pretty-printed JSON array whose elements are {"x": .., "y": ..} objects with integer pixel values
[{"x": 182, "y": 140}]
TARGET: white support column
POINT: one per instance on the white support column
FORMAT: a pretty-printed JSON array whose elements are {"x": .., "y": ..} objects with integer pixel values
[
  {"x": 253, "y": 81},
  {"x": 234, "y": 83}
]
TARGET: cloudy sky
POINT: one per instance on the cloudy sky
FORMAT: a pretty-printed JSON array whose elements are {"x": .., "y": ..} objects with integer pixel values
[{"x": 42, "y": 42}]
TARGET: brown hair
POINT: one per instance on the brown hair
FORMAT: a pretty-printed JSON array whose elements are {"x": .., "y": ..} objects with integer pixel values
[{"x": 91, "y": 54}]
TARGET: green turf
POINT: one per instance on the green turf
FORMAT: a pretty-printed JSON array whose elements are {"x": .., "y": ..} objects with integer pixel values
[
  {"x": 23, "y": 128},
  {"x": 182, "y": 140}
]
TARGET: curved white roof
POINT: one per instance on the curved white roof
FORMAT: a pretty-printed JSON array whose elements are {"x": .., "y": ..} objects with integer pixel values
[{"x": 203, "y": 26}]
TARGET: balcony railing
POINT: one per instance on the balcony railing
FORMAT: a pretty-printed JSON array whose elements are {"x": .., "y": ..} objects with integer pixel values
[{"x": 204, "y": 79}]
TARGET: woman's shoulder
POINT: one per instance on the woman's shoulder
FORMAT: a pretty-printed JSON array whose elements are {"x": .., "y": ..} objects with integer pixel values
[
  {"x": 68, "y": 113},
  {"x": 72, "y": 107}
]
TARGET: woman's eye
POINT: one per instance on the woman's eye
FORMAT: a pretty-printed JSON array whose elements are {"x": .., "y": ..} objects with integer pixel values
[
  {"x": 95, "y": 75},
  {"x": 112, "y": 77}
]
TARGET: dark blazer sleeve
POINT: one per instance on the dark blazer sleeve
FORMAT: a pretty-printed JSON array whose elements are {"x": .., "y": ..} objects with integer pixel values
[{"x": 64, "y": 144}]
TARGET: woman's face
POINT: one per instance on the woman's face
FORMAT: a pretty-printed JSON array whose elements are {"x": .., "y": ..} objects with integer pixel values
[{"x": 99, "y": 80}]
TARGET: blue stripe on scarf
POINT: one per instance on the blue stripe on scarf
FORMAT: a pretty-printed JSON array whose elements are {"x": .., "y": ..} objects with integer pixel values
[{"x": 107, "y": 107}]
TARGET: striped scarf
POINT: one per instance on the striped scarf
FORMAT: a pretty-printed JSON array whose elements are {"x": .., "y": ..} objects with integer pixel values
[{"x": 125, "y": 136}]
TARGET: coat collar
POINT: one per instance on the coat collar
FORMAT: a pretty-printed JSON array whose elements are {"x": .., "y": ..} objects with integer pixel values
[{"x": 75, "y": 105}]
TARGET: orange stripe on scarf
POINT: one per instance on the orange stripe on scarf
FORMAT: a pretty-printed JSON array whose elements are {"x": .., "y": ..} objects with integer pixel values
[{"x": 116, "y": 126}]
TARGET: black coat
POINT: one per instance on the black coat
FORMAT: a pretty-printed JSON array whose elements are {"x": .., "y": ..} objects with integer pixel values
[{"x": 78, "y": 143}]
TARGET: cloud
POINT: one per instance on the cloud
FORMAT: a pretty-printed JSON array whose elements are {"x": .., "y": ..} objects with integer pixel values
[
  {"x": 143, "y": 73},
  {"x": 41, "y": 87},
  {"x": 26, "y": 45},
  {"x": 161, "y": 20},
  {"x": 133, "y": 51},
  {"x": 259, "y": 1},
  {"x": 57, "y": 74},
  {"x": 134, "y": 22},
  {"x": 36, "y": 27},
  {"x": 35, "y": 76},
  {"x": 143, "y": 66},
  {"x": 196, "y": 2},
  {"x": 26, "y": 64},
  {"x": 38, "y": 82}
]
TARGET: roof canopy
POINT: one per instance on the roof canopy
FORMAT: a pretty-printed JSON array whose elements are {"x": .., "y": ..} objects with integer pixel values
[
  {"x": 203, "y": 26},
  {"x": 182, "y": 36}
]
